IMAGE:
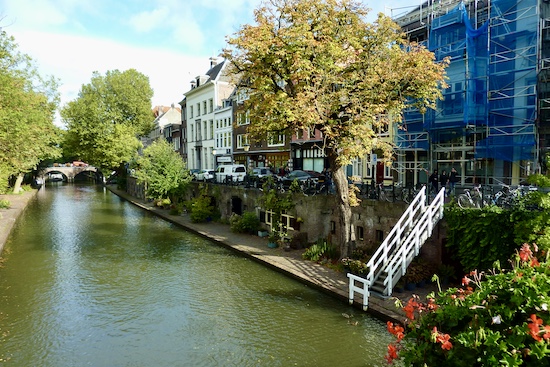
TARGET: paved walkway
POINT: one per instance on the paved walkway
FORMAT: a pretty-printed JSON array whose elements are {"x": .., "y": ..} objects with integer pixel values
[
  {"x": 9, "y": 216},
  {"x": 288, "y": 262}
]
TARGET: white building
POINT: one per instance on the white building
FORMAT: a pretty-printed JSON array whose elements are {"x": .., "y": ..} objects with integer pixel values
[
  {"x": 203, "y": 101},
  {"x": 164, "y": 117},
  {"x": 223, "y": 145}
]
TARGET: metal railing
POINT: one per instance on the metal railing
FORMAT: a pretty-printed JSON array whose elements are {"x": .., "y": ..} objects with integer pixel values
[{"x": 401, "y": 246}]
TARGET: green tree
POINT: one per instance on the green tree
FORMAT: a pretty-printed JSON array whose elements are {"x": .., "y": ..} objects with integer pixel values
[
  {"x": 162, "y": 170},
  {"x": 28, "y": 103},
  {"x": 317, "y": 64},
  {"x": 109, "y": 115}
]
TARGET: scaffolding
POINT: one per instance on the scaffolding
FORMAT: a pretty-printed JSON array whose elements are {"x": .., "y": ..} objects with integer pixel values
[{"x": 486, "y": 124}]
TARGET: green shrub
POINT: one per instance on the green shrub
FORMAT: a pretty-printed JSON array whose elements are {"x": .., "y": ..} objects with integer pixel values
[
  {"x": 5, "y": 204},
  {"x": 246, "y": 223},
  {"x": 355, "y": 266},
  {"x": 499, "y": 318},
  {"x": 321, "y": 249},
  {"x": 201, "y": 209},
  {"x": 471, "y": 233},
  {"x": 176, "y": 209},
  {"x": 539, "y": 180}
]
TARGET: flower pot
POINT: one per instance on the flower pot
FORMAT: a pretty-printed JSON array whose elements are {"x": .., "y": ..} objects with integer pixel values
[
  {"x": 272, "y": 244},
  {"x": 410, "y": 286},
  {"x": 421, "y": 284}
]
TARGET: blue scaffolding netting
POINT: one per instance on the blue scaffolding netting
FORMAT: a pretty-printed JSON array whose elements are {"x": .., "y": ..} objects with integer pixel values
[{"x": 492, "y": 82}]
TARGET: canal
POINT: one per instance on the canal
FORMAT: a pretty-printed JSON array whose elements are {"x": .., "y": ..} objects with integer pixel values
[{"x": 88, "y": 279}]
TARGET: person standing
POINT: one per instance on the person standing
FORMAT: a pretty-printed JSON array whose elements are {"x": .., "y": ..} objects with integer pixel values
[
  {"x": 443, "y": 179},
  {"x": 453, "y": 179},
  {"x": 433, "y": 181}
]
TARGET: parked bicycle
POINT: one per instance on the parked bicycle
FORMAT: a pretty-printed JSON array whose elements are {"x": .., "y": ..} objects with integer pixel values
[
  {"x": 398, "y": 192},
  {"x": 471, "y": 198},
  {"x": 410, "y": 193},
  {"x": 311, "y": 187},
  {"x": 377, "y": 192},
  {"x": 507, "y": 197}
]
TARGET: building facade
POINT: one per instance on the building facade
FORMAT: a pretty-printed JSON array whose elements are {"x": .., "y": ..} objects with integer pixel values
[
  {"x": 492, "y": 123},
  {"x": 202, "y": 101}
]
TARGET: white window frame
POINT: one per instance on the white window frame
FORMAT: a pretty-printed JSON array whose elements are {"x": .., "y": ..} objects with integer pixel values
[
  {"x": 243, "y": 118},
  {"x": 271, "y": 141},
  {"x": 242, "y": 140}
]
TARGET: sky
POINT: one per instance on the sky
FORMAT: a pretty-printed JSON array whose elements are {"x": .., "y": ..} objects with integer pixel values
[{"x": 170, "y": 41}]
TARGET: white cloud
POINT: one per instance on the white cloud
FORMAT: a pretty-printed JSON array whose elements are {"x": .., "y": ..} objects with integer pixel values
[
  {"x": 41, "y": 13},
  {"x": 149, "y": 20},
  {"x": 73, "y": 59}
]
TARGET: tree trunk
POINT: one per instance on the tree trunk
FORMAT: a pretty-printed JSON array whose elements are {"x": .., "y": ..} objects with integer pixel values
[
  {"x": 18, "y": 182},
  {"x": 346, "y": 236}
]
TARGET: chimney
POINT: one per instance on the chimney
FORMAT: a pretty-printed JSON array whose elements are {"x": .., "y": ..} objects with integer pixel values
[
  {"x": 193, "y": 84},
  {"x": 213, "y": 62}
]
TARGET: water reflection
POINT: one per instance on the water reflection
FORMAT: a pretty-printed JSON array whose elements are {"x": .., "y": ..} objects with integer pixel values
[{"x": 90, "y": 280}]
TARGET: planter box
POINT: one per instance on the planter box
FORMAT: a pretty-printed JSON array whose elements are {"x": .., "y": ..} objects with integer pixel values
[{"x": 263, "y": 233}]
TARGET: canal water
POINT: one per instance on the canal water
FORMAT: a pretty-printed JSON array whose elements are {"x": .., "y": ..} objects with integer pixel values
[{"x": 88, "y": 279}]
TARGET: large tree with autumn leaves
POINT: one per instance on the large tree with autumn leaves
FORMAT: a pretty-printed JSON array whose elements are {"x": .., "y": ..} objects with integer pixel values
[{"x": 318, "y": 64}]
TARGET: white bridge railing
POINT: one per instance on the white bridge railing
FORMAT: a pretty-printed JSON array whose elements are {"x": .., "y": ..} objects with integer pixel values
[{"x": 400, "y": 247}]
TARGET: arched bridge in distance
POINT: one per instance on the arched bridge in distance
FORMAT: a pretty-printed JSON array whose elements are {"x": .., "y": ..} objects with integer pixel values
[{"x": 69, "y": 172}]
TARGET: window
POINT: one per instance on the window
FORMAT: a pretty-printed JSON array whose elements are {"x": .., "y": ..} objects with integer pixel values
[
  {"x": 191, "y": 111},
  {"x": 242, "y": 140},
  {"x": 211, "y": 105},
  {"x": 243, "y": 118},
  {"x": 275, "y": 140},
  {"x": 360, "y": 233},
  {"x": 311, "y": 133},
  {"x": 286, "y": 221},
  {"x": 211, "y": 129},
  {"x": 204, "y": 106},
  {"x": 198, "y": 109},
  {"x": 242, "y": 95}
]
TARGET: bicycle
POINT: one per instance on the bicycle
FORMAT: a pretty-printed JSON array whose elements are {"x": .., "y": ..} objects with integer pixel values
[
  {"x": 377, "y": 192},
  {"x": 471, "y": 199},
  {"x": 309, "y": 187},
  {"x": 398, "y": 192},
  {"x": 410, "y": 193}
]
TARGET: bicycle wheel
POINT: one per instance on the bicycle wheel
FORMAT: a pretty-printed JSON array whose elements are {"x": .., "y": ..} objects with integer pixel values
[
  {"x": 406, "y": 196},
  {"x": 382, "y": 196},
  {"x": 464, "y": 201}
]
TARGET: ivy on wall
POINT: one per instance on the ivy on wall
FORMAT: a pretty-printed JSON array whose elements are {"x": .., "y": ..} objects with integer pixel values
[{"x": 479, "y": 237}]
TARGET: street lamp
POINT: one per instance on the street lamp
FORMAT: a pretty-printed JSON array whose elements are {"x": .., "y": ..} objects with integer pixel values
[
  {"x": 214, "y": 152},
  {"x": 246, "y": 148}
]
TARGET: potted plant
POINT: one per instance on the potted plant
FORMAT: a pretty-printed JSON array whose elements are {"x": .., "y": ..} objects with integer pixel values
[
  {"x": 445, "y": 273},
  {"x": 399, "y": 286},
  {"x": 272, "y": 239},
  {"x": 355, "y": 266}
]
